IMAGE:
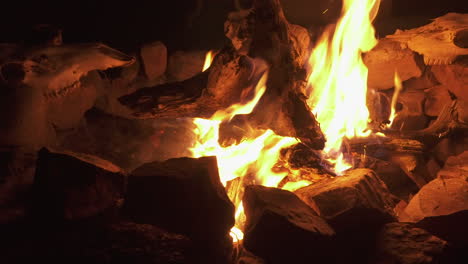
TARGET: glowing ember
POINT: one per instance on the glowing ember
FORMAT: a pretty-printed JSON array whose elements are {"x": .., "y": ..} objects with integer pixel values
[
  {"x": 208, "y": 60},
  {"x": 338, "y": 82},
  {"x": 398, "y": 87}
]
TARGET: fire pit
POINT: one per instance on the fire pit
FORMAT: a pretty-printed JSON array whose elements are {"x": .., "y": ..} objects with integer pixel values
[{"x": 283, "y": 144}]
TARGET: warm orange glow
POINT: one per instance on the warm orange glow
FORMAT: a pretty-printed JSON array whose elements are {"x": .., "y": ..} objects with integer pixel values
[
  {"x": 337, "y": 94},
  {"x": 338, "y": 82},
  {"x": 255, "y": 156},
  {"x": 208, "y": 60},
  {"x": 396, "y": 92}
]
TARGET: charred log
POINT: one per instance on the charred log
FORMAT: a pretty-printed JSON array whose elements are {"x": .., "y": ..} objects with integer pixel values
[{"x": 261, "y": 32}]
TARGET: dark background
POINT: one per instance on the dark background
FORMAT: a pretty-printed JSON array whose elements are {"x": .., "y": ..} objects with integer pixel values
[{"x": 175, "y": 22}]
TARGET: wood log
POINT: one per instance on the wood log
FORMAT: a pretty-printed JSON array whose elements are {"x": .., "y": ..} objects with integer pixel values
[{"x": 262, "y": 33}]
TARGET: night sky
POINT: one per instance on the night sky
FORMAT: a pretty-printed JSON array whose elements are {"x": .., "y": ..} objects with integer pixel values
[{"x": 128, "y": 25}]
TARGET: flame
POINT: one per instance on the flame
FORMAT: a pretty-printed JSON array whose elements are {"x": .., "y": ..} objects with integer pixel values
[
  {"x": 337, "y": 94},
  {"x": 208, "y": 60},
  {"x": 398, "y": 88},
  {"x": 254, "y": 156},
  {"x": 338, "y": 83}
]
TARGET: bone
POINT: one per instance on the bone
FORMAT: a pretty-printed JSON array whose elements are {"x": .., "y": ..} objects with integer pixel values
[{"x": 435, "y": 41}]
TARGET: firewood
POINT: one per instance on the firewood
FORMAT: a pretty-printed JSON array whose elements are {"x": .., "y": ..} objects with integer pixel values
[{"x": 261, "y": 33}]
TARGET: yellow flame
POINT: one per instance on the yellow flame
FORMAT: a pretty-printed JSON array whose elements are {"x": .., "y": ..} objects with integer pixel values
[
  {"x": 208, "y": 60},
  {"x": 396, "y": 92},
  {"x": 338, "y": 83},
  {"x": 256, "y": 156}
]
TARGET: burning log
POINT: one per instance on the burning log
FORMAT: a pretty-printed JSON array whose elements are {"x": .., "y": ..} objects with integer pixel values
[
  {"x": 280, "y": 228},
  {"x": 73, "y": 186},
  {"x": 185, "y": 196},
  {"x": 262, "y": 32},
  {"x": 403, "y": 243}
]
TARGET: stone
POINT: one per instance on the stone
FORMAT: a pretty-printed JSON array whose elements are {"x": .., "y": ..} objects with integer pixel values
[
  {"x": 280, "y": 228},
  {"x": 436, "y": 98},
  {"x": 433, "y": 167},
  {"x": 129, "y": 143},
  {"x": 358, "y": 199},
  {"x": 182, "y": 195},
  {"x": 454, "y": 144},
  {"x": 411, "y": 116},
  {"x": 386, "y": 58},
  {"x": 120, "y": 242},
  {"x": 455, "y": 167},
  {"x": 74, "y": 186},
  {"x": 405, "y": 244},
  {"x": 394, "y": 177},
  {"x": 454, "y": 77},
  {"x": 413, "y": 164},
  {"x": 154, "y": 58},
  {"x": 17, "y": 169},
  {"x": 356, "y": 205},
  {"x": 183, "y": 65},
  {"x": 438, "y": 197}
]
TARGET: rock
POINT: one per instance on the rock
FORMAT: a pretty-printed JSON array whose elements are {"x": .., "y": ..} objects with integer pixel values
[
  {"x": 394, "y": 177},
  {"x": 452, "y": 145},
  {"x": 436, "y": 98},
  {"x": 183, "y": 65},
  {"x": 414, "y": 166},
  {"x": 454, "y": 77},
  {"x": 17, "y": 168},
  {"x": 356, "y": 205},
  {"x": 385, "y": 58},
  {"x": 439, "y": 197},
  {"x": 405, "y": 244},
  {"x": 355, "y": 201},
  {"x": 411, "y": 116},
  {"x": 129, "y": 143},
  {"x": 122, "y": 242},
  {"x": 450, "y": 227},
  {"x": 183, "y": 195},
  {"x": 433, "y": 167},
  {"x": 154, "y": 58},
  {"x": 425, "y": 81},
  {"x": 455, "y": 167},
  {"x": 280, "y": 228},
  {"x": 73, "y": 186},
  {"x": 148, "y": 244}
]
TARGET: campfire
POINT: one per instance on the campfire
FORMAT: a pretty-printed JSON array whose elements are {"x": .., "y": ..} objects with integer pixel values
[{"x": 328, "y": 144}]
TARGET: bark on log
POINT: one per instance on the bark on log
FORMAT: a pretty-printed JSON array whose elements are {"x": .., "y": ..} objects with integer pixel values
[{"x": 262, "y": 32}]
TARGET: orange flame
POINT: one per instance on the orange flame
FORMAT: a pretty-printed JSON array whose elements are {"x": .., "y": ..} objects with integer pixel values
[
  {"x": 338, "y": 83},
  {"x": 208, "y": 60},
  {"x": 338, "y": 98},
  {"x": 398, "y": 88},
  {"x": 257, "y": 156}
]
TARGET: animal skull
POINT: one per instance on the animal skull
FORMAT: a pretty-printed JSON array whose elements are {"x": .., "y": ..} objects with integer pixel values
[
  {"x": 441, "y": 41},
  {"x": 35, "y": 81}
]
